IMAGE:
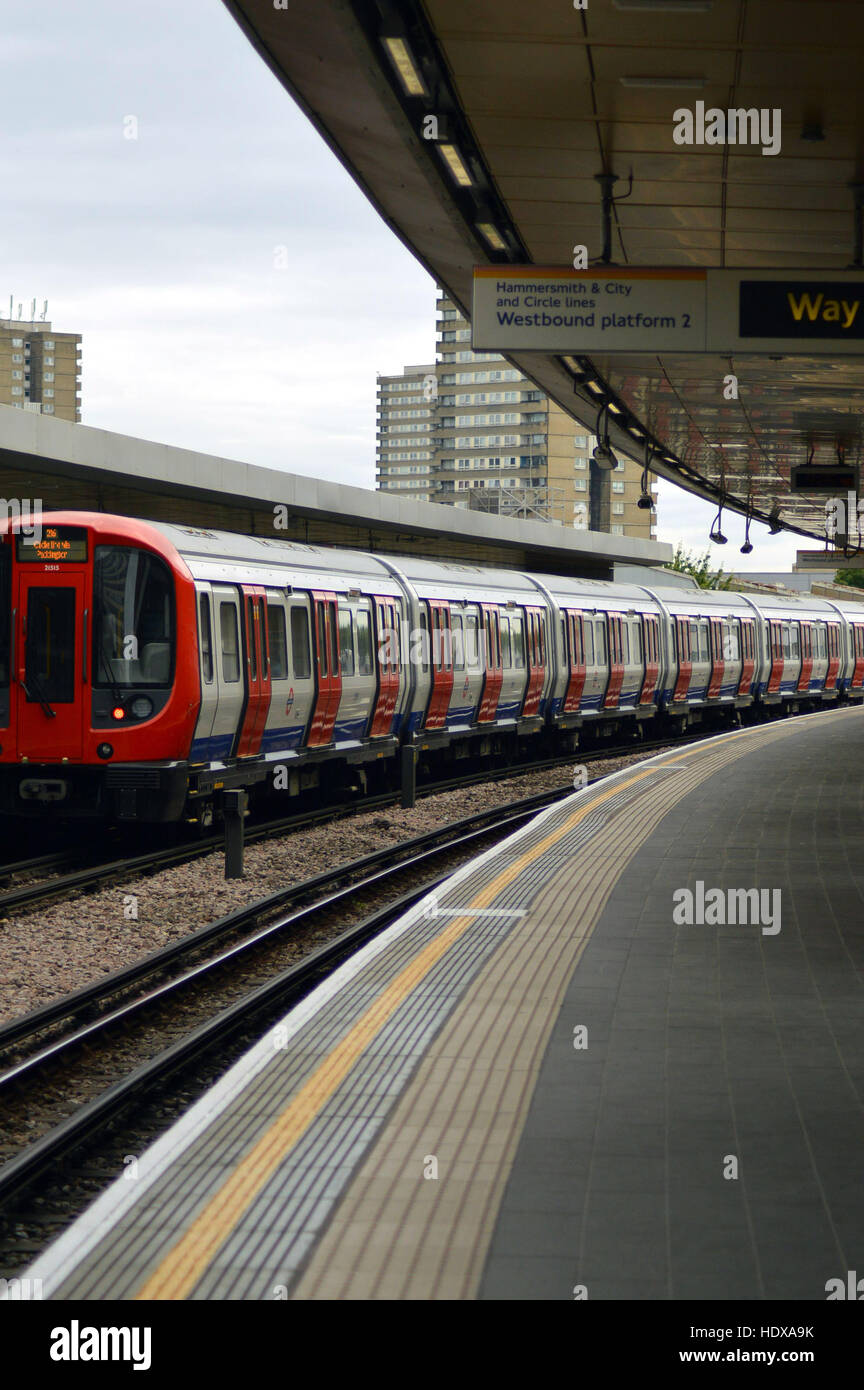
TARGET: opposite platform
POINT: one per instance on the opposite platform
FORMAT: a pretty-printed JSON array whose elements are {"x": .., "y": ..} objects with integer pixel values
[{"x": 540, "y": 1084}]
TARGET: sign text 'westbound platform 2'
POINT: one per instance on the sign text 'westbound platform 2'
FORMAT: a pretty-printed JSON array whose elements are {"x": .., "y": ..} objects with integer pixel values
[{"x": 639, "y": 309}]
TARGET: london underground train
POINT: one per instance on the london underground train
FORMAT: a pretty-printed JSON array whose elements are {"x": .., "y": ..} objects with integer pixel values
[{"x": 146, "y": 668}]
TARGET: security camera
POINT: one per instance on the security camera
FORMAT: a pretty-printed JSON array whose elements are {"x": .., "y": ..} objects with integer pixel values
[{"x": 604, "y": 457}]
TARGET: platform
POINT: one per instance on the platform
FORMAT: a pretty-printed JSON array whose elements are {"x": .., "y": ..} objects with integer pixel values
[{"x": 540, "y": 1085}]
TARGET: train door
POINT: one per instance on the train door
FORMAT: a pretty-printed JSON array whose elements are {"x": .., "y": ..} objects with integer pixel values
[
  {"x": 806, "y": 656},
  {"x": 512, "y": 696},
  {"x": 596, "y": 671},
  {"x": 633, "y": 656},
  {"x": 575, "y": 648},
  {"x": 354, "y": 659},
  {"x": 494, "y": 674},
  {"x": 386, "y": 616},
  {"x": 276, "y": 735},
  {"x": 718, "y": 662},
  {"x": 651, "y": 643},
  {"x": 833, "y": 656},
  {"x": 776, "y": 673},
  {"x": 328, "y": 677},
  {"x": 50, "y": 658},
  {"x": 440, "y": 665},
  {"x": 228, "y": 662},
  {"x": 300, "y": 696},
  {"x": 207, "y": 673},
  {"x": 536, "y": 659},
  {"x": 257, "y": 661},
  {"x": 616, "y": 661},
  {"x": 748, "y": 656},
  {"x": 685, "y": 659}
]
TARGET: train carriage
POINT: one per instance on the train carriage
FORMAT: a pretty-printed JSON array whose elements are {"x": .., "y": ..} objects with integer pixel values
[{"x": 607, "y": 651}]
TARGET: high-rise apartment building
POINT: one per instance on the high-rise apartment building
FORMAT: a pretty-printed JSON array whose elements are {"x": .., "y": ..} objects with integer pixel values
[
  {"x": 471, "y": 431},
  {"x": 40, "y": 369},
  {"x": 407, "y": 431}
]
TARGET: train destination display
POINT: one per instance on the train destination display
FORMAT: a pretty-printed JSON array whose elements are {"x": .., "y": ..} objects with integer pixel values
[
  {"x": 53, "y": 545},
  {"x": 638, "y": 309}
]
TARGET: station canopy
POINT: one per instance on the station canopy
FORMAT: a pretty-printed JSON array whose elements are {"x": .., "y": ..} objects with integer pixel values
[{"x": 491, "y": 133}]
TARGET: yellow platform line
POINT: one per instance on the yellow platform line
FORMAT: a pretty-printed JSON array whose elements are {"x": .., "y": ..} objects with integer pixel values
[{"x": 180, "y": 1269}]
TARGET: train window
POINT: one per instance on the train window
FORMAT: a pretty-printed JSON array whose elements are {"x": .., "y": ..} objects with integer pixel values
[
  {"x": 518, "y": 644},
  {"x": 492, "y": 641},
  {"x": 725, "y": 652},
  {"x": 323, "y": 665},
  {"x": 5, "y": 612},
  {"x": 458, "y": 641},
  {"x": 262, "y": 638},
  {"x": 133, "y": 618},
  {"x": 472, "y": 646},
  {"x": 577, "y": 654},
  {"x": 230, "y": 643},
  {"x": 506, "y": 659},
  {"x": 704, "y": 654},
  {"x": 424, "y": 637},
  {"x": 624, "y": 629},
  {"x": 49, "y": 654},
  {"x": 253, "y": 644},
  {"x": 541, "y": 640},
  {"x": 346, "y": 642},
  {"x": 206, "y": 637},
  {"x": 600, "y": 643},
  {"x": 364, "y": 644},
  {"x": 334, "y": 639},
  {"x": 794, "y": 641},
  {"x": 300, "y": 661},
  {"x": 785, "y": 639},
  {"x": 278, "y": 641},
  {"x": 442, "y": 640},
  {"x": 588, "y": 641},
  {"x": 636, "y": 643}
]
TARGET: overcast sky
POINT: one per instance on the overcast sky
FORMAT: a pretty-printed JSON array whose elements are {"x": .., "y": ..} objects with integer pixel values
[{"x": 164, "y": 251}]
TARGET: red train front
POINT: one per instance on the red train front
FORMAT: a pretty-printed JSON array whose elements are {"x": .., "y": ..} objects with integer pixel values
[{"x": 97, "y": 697}]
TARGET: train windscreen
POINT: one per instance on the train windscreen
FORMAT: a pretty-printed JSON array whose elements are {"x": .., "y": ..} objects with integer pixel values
[{"x": 133, "y": 619}]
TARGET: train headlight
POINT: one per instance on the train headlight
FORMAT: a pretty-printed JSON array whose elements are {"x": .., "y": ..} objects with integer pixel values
[
  {"x": 105, "y": 750},
  {"x": 142, "y": 708}
]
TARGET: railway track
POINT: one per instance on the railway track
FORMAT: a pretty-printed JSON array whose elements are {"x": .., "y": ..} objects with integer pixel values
[{"x": 83, "y": 1024}]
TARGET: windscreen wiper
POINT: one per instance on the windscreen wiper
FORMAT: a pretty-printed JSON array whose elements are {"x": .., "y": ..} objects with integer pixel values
[{"x": 39, "y": 699}]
